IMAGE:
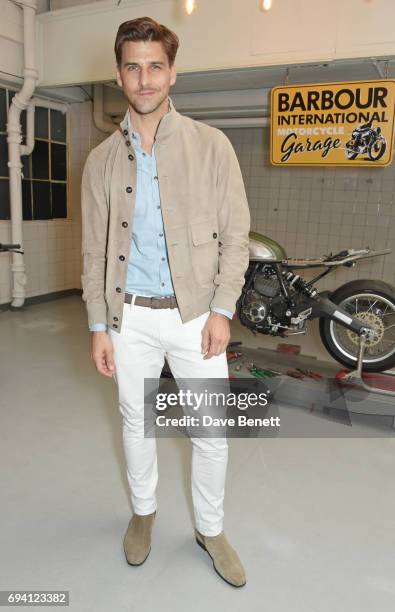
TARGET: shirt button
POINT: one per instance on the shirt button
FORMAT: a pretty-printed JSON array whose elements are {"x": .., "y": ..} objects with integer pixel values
[
  {"x": 115, "y": 325},
  {"x": 131, "y": 157},
  {"x": 162, "y": 284},
  {"x": 122, "y": 258},
  {"x": 124, "y": 223},
  {"x": 156, "y": 178},
  {"x": 215, "y": 235},
  {"x": 125, "y": 132},
  {"x": 118, "y": 289},
  {"x": 128, "y": 143},
  {"x": 129, "y": 189},
  {"x": 163, "y": 258},
  {"x": 161, "y": 234},
  {"x": 158, "y": 206},
  {"x": 115, "y": 318}
]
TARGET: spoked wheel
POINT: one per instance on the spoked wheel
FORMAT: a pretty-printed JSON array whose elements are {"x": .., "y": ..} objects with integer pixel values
[
  {"x": 372, "y": 302},
  {"x": 377, "y": 149}
]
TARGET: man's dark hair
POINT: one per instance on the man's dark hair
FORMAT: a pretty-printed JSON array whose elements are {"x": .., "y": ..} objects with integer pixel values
[{"x": 146, "y": 29}]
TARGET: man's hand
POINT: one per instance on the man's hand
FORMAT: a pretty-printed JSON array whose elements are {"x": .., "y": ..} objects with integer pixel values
[
  {"x": 102, "y": 353},
  {"x": 215, "y": 335}
]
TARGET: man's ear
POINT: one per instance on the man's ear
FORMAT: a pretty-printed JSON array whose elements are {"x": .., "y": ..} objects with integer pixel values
[
  {"x": 119, "y": 80},
  {"x": 173, "y": 75}
]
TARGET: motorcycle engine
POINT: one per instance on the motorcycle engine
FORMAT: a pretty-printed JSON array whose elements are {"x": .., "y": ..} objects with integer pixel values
[
  {"x": 257, "y": 307},
  {"x": 266, "y": 283}
]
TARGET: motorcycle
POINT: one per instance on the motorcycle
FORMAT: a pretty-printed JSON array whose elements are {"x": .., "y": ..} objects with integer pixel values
[
  {"x": 365, "y": 139},
  {"x": 277, "y": 301}
]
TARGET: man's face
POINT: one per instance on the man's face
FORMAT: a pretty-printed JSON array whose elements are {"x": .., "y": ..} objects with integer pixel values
[{"x": 145, "y": 75}]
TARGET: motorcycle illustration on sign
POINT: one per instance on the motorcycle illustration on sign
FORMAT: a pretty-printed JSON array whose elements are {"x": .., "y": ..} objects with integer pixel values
[{"x": 366, "y": 139}]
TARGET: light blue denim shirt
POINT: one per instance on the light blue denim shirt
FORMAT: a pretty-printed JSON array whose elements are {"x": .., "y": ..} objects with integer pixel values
[{"x": 148, "y": 267}]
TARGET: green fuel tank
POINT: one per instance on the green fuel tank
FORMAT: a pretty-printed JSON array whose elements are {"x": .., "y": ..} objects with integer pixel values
[{"x": 263, "y": 248}]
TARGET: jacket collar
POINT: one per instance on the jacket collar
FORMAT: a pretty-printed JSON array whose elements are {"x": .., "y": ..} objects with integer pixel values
[{"x": 167, "y": 125}]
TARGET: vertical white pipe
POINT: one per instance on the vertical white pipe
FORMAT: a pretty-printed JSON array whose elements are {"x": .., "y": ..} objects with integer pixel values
[{"x": 20, "y": 101}]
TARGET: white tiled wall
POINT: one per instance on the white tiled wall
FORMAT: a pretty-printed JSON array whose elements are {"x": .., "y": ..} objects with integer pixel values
[{"x": 312, "y": 211}]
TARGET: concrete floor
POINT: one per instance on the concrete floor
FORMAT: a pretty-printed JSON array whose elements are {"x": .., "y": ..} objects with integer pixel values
[{"x": 313, "y": 520}]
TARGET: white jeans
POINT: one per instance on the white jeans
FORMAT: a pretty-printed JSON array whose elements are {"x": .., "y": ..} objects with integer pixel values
[{"x": 147, "y": 336}]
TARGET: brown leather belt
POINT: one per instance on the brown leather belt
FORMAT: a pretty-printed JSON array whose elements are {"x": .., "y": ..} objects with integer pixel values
[{"x": 152, "y": 302}]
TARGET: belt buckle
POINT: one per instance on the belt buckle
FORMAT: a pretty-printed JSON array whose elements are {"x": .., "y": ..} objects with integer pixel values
[{"x": 154, "y": 304}]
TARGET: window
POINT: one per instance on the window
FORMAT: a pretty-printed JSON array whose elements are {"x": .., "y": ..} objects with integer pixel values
[{"x": 44, "y": 172}]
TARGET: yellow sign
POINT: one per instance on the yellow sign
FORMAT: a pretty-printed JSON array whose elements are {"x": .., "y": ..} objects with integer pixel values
[{"x": 333, "y": 124}]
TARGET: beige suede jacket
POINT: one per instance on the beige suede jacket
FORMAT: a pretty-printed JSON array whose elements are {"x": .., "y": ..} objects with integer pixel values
[{"x": 205, "y": 217}]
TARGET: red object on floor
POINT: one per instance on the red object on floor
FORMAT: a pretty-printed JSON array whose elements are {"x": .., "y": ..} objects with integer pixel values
[
  {"x": 295, "y": 374},
  {"x": 282, "y": 347},
  {"x": 373, "y": 379}
]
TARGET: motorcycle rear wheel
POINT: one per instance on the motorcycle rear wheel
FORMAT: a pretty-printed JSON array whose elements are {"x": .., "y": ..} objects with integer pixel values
[
  {"x": 350, "y": 153},
  {"x": 371, "y": 301}
]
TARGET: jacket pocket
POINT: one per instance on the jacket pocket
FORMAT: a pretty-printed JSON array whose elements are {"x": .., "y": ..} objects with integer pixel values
[
  {"x": 202, "y": 232},
  {"x": 204, "y": 250}
]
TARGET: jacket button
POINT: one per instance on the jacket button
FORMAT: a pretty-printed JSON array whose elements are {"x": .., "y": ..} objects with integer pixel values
[
  {"x": 128, "y": 143},
  {"x": 125, "y": 132},
  {"x": 115, "y": 318},
  {"x": 215, "y": 235},
  {"x": 129, "y": 189},
  {"x": 124, "y": 224},
  {"x": 131, "y": 157},
  {"x": 118, "y": 289},
  {"x": 122, "y": 257}
]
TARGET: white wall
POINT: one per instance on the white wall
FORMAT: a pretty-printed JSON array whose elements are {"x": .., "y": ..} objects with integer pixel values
[
  {"x": 52, "y": 248},
  {"x": 11, "y": 38},
  {"x": 312, "y": 211},
  {"x": 219, "y": 34}
]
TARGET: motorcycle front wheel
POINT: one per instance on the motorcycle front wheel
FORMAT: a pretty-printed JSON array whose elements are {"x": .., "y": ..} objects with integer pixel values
[
  {"x": 377, "y": 149},
  {"x": 372, "y": 302}
]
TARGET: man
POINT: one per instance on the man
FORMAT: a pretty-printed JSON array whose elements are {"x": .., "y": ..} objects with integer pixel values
[{"x": 165, "y": 226}]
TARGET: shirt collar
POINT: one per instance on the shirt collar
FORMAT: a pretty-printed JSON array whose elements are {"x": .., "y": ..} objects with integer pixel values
[{"x": 167, "y": 125}]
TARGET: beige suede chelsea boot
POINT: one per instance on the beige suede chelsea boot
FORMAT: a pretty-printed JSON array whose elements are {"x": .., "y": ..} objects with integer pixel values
[
  {"x": 225, "y": 559},
  {"x": 137, "y": 539}
]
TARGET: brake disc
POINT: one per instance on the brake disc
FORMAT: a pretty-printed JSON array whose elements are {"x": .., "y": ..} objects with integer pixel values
[{"x": 371, "y": 320}]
